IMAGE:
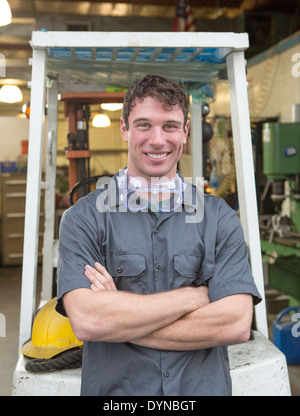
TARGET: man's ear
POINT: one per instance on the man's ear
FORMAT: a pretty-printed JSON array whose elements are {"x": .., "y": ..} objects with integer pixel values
[
  {"x": 124, "y": 130},
  {"x": 186, "y": 131}
]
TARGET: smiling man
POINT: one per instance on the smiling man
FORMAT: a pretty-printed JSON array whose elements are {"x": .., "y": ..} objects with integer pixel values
[
  {"x": 156, "y": 137},
  {"x": 155, "y": 298}
]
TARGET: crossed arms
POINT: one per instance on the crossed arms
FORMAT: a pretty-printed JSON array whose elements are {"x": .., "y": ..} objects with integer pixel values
[{"x": 179, "y": 319}]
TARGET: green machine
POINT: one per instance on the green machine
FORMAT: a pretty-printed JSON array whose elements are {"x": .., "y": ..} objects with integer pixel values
[{"x": 280, "y": 231}]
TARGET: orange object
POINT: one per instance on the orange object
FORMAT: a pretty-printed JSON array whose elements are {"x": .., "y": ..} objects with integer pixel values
[
  {"x": 73, "y": 155},
  {"x": 24, "y": 147},
  {"x": 78, "y": 154}
]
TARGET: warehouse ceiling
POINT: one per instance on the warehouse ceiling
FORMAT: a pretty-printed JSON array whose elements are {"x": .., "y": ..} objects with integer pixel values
[
  {"x": 257, "y": 17},
  {"x": 201, "y": 8}
]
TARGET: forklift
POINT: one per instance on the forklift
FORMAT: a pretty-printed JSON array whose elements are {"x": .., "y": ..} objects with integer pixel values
[{"x": 257, "y": 366}]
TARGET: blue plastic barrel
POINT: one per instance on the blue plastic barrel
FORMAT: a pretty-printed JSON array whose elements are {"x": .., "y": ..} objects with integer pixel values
[{"x": 286, "y": 336}]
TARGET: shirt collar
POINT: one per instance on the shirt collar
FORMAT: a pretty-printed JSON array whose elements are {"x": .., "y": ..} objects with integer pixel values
[{"x": 193, "y": 197}]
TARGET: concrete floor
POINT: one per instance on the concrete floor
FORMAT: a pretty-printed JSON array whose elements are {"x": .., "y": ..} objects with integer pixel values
[{"x": 10, "y": 291}]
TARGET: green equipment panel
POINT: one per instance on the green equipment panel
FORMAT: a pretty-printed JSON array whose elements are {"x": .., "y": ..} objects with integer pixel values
[{"x": 281, "y": 149}]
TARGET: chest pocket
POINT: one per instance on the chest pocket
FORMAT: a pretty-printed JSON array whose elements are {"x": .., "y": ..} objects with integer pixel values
[
  {"x": 127, "y": 271},
  {"x": 189, "y": 270}
]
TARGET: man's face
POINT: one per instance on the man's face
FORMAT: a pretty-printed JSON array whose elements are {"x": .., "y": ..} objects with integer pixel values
[{"x": 155, "y": 139}]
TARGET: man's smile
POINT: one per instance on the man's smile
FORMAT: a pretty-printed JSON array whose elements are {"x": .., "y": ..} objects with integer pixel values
[{"x": 157, "y": 155}]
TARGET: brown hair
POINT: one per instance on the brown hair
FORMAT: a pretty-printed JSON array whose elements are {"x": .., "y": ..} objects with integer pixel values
[{"x": 163, "y": 89}]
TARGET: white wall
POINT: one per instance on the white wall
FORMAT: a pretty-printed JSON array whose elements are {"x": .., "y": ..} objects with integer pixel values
[
  {"x": 12, "y": 131},
  {"x": 273, "y": 87}
]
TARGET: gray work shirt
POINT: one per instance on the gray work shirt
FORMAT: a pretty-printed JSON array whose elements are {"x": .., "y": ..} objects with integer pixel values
[{"x": 200, "y": 243}]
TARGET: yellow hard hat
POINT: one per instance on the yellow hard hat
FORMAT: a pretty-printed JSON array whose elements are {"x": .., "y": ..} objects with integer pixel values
[{"x": 51, "y": 334}]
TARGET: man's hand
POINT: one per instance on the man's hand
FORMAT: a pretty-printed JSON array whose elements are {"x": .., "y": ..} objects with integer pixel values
[
  {"x": 101, "y": 280},
  {"x": 99, "y": 277}
]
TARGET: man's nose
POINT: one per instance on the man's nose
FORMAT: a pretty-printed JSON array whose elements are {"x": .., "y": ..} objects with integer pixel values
[{"x": 157, "y": 138}]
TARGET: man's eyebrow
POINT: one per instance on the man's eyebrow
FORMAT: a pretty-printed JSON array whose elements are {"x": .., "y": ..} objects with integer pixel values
[
  {"x": 138, "y": 120},
  {"x": 174, "y": 122}
]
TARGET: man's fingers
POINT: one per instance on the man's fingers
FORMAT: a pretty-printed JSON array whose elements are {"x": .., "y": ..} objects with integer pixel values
[
  {"x": 106, "y": 278},
  {"x": 95, "y": 281},
  {"x": 95, "y": 288},
  {"x": 99, "y": 277}
]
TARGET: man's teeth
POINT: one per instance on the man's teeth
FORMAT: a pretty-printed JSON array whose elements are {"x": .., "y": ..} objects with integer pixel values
[{"x": 157, "y": 156}]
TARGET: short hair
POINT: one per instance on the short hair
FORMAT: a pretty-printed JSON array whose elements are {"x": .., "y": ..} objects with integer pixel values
[{"x": 161, "y": 88}]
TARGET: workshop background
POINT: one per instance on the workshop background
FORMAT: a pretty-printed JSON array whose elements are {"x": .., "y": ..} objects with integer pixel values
[{"x": 273, "y": 75}]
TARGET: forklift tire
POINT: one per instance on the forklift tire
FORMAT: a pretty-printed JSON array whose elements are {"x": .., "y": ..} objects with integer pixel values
[{"x": 66, "y": 360}]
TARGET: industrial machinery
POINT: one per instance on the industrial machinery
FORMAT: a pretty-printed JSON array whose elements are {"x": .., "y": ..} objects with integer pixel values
[
  {"x": 280, "y": 230},
  {"x": 77, "y": 107}
]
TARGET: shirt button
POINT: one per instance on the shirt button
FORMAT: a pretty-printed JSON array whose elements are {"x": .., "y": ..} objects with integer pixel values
[
  {"x": 165, "y": 374},
  {"x": 158, "y": 266},
  {"x": 119, "y": 269},
  {"x": 155, "y": 231}
]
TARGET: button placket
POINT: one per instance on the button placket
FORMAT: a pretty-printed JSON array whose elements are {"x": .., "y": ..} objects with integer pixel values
[
  {"x": 166, "y": 372},
  {"x": 156, "y": 258}
]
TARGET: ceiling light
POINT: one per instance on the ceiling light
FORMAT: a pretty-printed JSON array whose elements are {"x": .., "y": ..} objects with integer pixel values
[
  {"x": 112, "y": 106},
  {"x": 10, "y": 94},
  {"x": 26, "y": 109},
  {"x": 5, "y": 13},
  {"x": 101, "y": 120}
]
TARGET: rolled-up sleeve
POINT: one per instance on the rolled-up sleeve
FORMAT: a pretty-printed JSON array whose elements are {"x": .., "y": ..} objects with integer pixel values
[
  {"x": 78, "y": 246},
  {"x": 232, "y": 272}
]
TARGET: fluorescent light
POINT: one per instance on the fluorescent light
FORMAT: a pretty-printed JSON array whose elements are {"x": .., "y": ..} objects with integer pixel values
[
  {"x": 5, "y": 13},
  {"x": 112, "y": 106},
  {"x": 10, "y": 94},
  {"x": 101, "y": 120}
]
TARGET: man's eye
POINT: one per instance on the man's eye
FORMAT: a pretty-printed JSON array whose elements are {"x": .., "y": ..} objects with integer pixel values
[{"x": 171, "y": 127}]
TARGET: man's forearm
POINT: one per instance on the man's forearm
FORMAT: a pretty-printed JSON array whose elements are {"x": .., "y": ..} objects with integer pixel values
[
  {"x": 116, "y": 316},
  {"x": 224, "y": 322}
]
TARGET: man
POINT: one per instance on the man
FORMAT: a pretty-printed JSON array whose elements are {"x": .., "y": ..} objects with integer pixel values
[{"x": 155, "y": 284}]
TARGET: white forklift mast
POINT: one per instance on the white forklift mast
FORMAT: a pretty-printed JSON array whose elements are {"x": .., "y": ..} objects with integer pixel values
[{"x": 257, "y": 367}]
